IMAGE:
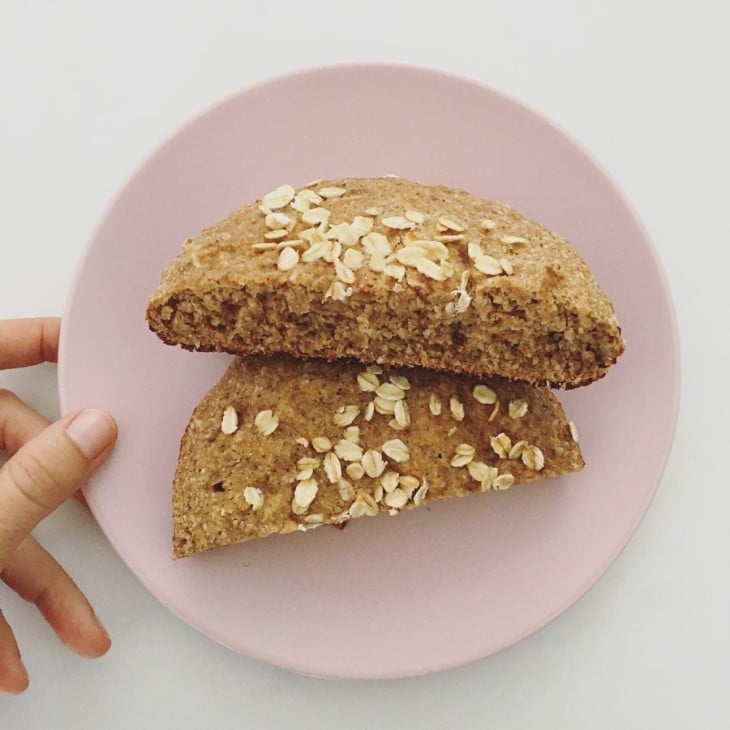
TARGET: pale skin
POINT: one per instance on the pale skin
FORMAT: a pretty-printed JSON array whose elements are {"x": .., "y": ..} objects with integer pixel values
[{"x": 47, "y": 464}]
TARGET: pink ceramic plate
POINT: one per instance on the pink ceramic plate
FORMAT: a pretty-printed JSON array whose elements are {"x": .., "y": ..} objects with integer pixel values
[{"x": 386, "y": 597}]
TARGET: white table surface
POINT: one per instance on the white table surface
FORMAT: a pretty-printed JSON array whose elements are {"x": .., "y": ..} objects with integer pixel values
[{"x": 87, "y": 91}]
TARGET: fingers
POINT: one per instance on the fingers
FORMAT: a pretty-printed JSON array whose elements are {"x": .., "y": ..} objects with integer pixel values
[
  {"x": 35, "y": 576},
  {"x": 47, "y": 470},
  {"x": 13, "y": 674},
  {"x": 18, "y": 422},
  {"x": 28, "y": 341}
]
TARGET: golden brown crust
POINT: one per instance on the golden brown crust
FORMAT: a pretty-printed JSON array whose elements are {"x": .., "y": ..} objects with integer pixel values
[
  {"x": 540, "y": 318},
  {"x": 210, "y": 504}
]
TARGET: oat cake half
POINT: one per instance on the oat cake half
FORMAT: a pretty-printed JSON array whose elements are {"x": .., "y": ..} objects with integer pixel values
[
  {"x": 354, "y": 268},
  {"x": 280, "y": 445}
]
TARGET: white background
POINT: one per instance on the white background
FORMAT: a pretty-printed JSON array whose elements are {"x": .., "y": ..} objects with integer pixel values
[{"x": 89, "y": 89}]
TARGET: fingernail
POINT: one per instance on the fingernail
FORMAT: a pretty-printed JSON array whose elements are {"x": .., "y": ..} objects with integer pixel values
[
  {"x": 92, "y": 431},
  {"x": 24, "y": 673},
  {"x": 18, "y": 680},
  {"x": 96, "y": 640},
  {"x": 100, "y": 626}
]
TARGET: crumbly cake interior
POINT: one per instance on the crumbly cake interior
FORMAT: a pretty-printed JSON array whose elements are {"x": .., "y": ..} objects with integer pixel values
[
  {"x": 389, "y": 271},
  {"x": 280, "y": 445}
]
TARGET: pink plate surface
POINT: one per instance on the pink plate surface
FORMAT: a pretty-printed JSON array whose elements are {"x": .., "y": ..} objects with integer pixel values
[{"x": 434, "y": 588}]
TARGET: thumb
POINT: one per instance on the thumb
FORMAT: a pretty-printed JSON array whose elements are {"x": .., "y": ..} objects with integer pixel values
[{"x": 47, "y": 470}]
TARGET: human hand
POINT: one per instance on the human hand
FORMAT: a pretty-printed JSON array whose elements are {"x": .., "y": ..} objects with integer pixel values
[{"x": 47, "y": 464}]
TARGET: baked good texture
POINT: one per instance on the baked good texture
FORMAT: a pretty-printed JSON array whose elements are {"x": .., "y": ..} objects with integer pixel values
[
  {"x": 280, "y": 445},
  {"x": 386, "y": 270}
]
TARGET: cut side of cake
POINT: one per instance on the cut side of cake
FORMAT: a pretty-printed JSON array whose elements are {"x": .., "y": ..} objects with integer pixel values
[
  {"x": 280, "y": 445},
  {"x": 386, "y": 270}
]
